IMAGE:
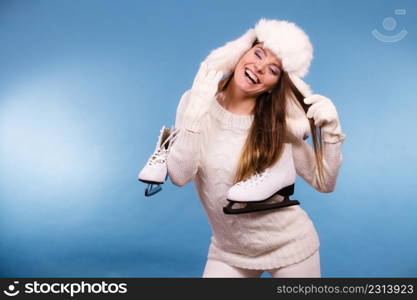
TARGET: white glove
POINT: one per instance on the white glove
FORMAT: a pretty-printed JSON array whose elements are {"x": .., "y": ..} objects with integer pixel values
[
  {"x": 325, "y": 116},
  {"x": 201, "y": 96}
]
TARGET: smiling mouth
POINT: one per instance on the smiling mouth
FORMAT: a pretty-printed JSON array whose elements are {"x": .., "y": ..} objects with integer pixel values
[{"x": 252, "y": 77}]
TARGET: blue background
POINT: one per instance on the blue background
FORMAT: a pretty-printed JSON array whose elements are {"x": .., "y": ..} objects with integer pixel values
[{"x": 86, "y": 85}]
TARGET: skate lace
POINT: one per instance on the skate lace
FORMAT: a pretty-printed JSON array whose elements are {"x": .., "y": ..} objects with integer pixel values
[
  {"x": 254, "y": 180},
  {"x": 160, "y": 155}
]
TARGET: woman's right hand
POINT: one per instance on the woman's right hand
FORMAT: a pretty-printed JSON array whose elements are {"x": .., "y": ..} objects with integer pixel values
[{"x": 202, "y": 94}]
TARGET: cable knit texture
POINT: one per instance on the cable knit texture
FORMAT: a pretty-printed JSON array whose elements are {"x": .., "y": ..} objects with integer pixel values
[{"x": 261, "y": 240}]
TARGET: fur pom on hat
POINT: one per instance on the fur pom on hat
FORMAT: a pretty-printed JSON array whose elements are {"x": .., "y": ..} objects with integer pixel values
[{"x": 290, "y": 44}]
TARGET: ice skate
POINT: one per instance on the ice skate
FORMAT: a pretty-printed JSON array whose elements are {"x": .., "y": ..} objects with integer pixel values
[
  {"x": 155, "y": 172},
  {"x": 262, "y": 190}
]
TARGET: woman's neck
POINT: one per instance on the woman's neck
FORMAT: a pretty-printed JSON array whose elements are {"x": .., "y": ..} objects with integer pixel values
[{"x": 237, "y": 102}]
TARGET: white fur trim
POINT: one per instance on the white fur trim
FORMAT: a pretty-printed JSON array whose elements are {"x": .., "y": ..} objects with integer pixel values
[
  {"x": 226, "y": 57},
  {"x": 288, "y": 42}
]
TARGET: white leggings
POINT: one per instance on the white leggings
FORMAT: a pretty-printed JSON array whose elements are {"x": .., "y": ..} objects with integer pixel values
[{"x": 309, "y": 267}]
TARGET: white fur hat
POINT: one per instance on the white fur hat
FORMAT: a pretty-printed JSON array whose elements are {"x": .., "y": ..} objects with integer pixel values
[{"x": 290, "y": 44}]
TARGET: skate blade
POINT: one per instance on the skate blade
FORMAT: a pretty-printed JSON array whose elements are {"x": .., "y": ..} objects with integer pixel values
[
  {"x": 152, "y": 189},
  {"x": 249, "y": 208}
]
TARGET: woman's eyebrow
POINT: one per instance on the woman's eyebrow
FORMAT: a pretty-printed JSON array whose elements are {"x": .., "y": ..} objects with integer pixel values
[
  {"x": 263, "y": 50},
  {"x": 266, "y": 54}
]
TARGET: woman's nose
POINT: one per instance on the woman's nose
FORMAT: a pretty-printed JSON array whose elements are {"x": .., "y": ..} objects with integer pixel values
[{"x": 259, "y": 68}]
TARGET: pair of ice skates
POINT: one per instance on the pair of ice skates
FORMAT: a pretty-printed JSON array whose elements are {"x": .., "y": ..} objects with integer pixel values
[{"x": 257, "y": 193}]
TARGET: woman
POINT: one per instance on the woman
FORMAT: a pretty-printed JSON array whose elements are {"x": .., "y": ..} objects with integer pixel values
[{"x": 233, "y": 127}]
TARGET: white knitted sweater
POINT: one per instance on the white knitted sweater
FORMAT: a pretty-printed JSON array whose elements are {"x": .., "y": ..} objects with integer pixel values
[{"x": 261, "y": 240}]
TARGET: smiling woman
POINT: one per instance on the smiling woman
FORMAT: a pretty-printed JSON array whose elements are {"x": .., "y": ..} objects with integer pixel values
[
  {"x": 246, "y": 131},
  {"x": 261, "y": 68},
  {"x": 258, "y": 70}
]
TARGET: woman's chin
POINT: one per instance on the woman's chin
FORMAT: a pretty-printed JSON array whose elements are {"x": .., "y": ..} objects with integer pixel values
[
  {"x": 247, "y": 89},
  {"x": 244, "y": 86}
]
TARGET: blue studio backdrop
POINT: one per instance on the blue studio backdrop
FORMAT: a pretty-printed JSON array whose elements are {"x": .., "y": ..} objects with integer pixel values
[{"x": 86, "y": 85}]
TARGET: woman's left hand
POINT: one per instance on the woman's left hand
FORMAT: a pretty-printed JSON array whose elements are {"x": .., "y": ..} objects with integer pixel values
[{"x": 324, "y": 113}]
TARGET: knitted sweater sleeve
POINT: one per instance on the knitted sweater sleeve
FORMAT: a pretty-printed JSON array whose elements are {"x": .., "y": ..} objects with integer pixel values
[
  {"x": 183, "y": 157},
  {"x": 306, "y": 166}
]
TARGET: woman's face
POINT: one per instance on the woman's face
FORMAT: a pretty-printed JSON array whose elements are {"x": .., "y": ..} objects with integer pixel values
[{"x": 257, "y": 71}]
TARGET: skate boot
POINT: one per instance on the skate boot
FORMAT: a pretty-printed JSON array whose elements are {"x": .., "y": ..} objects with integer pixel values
[
  {"x": 259, "y": 192},
  {"x": 155, "y": 172}
]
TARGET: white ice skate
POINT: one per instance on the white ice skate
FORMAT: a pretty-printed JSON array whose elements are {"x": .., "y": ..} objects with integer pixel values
[
  {"x": 259, "y": 191},
  {"x": 155, "y": 172}
]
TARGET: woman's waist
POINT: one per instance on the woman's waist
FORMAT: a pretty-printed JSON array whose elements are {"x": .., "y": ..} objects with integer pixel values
[{"x": 250, "y": 237}]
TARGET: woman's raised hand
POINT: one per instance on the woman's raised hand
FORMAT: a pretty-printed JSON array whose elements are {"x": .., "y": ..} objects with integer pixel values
[
  {"x": 206, "y": 80},
  {"x": 324, "y": 113},
  {"x": 202, "y": 94}
]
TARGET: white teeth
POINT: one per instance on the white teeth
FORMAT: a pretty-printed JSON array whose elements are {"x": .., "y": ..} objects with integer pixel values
[{"x": 252, "y": 76}]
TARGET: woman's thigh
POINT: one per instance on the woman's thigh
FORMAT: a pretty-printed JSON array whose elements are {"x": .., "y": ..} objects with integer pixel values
[
  {"x": 217, "y": 268},
  {"x": 309, "y": 267}
]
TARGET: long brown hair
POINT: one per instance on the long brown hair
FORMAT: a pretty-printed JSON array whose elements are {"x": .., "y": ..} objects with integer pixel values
[{"x": 268, "y": 132}]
